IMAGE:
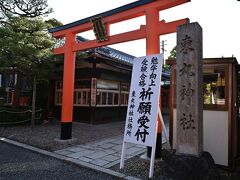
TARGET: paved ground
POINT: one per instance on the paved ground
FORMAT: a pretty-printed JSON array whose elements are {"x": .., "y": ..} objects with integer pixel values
[
  {"x": 105, "y": 153},
  {"x": 22, "y": 164}
]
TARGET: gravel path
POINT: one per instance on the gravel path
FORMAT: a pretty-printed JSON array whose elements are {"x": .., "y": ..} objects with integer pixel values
[
  {"x": 139, "y": 168},
  {"x": 43, "y": 135},
  {"x": 22, "y": 164}
]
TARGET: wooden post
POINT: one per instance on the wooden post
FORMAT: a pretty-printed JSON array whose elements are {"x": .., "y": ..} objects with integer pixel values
[
  {"x": 189, "y": 93},
  {"x": 33, "y": 103}
]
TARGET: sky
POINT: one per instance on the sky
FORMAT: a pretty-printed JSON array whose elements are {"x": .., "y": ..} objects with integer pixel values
[{"x": 219, "y": 19}]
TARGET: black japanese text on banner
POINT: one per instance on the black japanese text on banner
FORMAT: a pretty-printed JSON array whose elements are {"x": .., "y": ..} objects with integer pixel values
[{"x": 143, "y": 101}]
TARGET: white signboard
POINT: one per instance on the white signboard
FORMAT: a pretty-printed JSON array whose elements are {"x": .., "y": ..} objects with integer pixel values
[
  {"x": 143, "y": 105},
  {"x": 141, "y": 120}
]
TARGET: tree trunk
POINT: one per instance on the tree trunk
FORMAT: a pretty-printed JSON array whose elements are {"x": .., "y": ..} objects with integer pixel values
[
  {"x": 33, "y": 103},
  {"x": 18, "y": 89}
]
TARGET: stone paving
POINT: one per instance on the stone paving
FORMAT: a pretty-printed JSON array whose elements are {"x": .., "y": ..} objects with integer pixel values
[{"x": 105, "y": 153}]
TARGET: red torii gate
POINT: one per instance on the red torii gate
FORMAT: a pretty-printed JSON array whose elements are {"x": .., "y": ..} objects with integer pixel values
[{"x": 151, "y": 31}]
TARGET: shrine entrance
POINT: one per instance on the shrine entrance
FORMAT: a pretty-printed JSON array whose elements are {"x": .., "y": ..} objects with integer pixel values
[{"x": 100, "y": 24}]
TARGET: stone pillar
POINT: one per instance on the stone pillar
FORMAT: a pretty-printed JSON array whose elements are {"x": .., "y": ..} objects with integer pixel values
[{"x": 189, "y": 95}]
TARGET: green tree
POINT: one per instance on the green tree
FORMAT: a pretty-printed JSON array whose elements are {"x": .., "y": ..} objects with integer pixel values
[
  {"x": 26, "y": 47},
  {"x": 173, "y": 53},
  {"x": 25, "y": 43},
  {"x": 23, "y": 8}
]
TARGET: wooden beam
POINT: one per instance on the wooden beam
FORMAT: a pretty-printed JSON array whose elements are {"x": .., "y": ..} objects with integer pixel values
[
  {"x": 115, "y": 39},
  {"x": 163, "y": 28},
  {"x": 171, "y": 27}
]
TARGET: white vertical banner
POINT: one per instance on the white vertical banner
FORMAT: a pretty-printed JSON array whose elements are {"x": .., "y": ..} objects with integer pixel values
[{"x": 143, "y": 104}]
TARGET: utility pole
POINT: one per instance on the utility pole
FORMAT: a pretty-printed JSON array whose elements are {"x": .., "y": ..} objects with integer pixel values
[{"x": 162, "y": 45}]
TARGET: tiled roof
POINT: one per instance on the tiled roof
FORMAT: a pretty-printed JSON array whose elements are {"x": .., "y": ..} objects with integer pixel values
[
  {"x": 119, "y": 55},
  {"x": 111, "y": 53}
]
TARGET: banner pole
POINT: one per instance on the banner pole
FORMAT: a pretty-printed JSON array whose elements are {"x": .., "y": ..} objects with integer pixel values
[
  {"x": 123, "y": 155},
  {"x": 153, "y": 154}
]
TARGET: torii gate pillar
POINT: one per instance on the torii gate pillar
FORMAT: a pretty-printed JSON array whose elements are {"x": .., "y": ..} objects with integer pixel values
[
  {"x": 68, "y": 87},
  {"x": 152, "y": 36},
  {"x": 153, "y": 47}
]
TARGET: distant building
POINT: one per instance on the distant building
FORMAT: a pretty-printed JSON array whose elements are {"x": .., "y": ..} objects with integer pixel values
[{"x": 8, "y": 81}]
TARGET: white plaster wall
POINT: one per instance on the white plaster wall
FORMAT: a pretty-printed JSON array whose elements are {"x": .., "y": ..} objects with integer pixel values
[{"x": 215, "y": 134}]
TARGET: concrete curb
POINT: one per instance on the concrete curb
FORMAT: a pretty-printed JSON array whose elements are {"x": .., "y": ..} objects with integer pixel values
[{"x": 67, "y": 159}]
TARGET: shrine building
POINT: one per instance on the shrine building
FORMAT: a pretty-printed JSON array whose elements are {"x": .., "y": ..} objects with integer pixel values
[{"x": 101, "y": 87}]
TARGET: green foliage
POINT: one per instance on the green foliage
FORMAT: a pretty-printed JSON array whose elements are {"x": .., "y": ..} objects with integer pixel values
[
  {"x": 25, "y": 44},
  {"x": 53, "y": 22},
  {"x": 173, "y": 53},
  {"x": 23, "y": 8},
  {"x": 166, "y": 66}
]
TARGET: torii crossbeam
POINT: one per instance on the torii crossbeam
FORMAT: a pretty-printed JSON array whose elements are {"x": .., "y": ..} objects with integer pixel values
[{"x": 151, "y": 32}]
